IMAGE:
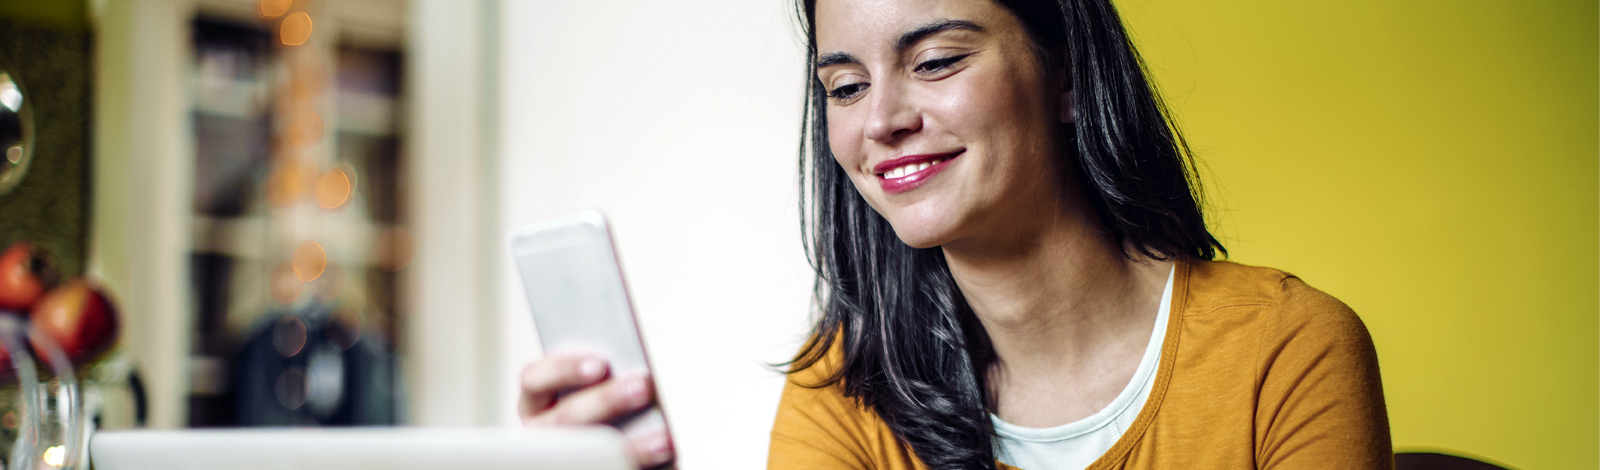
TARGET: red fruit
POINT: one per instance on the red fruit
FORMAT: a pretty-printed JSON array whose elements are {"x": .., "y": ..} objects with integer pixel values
[
  {"x": 78, "y": 317},
  {"x": 25, "y": 275}
]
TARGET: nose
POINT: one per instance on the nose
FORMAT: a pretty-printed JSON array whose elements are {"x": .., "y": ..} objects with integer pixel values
[{"x": 892, "y": 116}]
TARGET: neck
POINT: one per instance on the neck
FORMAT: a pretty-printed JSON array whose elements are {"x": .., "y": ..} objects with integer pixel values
[{"x": 1059, "y": 297}]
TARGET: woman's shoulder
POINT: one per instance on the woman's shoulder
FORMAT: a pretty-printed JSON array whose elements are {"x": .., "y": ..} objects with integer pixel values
[
  {"x": 1299, "y": 364},
  {"x": 1271, "y": 312},
  {"x": 1275, "y": 296},
  {"x": 1269, "y": 330}
]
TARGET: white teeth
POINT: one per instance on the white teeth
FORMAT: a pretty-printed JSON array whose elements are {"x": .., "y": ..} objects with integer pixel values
[{"x": 903, "y": 171}]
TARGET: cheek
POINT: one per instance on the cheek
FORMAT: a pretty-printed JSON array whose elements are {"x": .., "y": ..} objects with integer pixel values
[
  {"x": 845, "y": 149},
  {"x": 981, "y": 106},
  {"x": 1000, "y": 111}
]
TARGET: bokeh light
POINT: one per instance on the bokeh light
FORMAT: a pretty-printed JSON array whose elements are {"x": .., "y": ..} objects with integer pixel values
[
  {"x": 333, "y": 189},
  {"x": 344, "y": 327},
  {"x": 309, "y": 261},
  {"x": 283, "y": 186},
  {"x": 289, "y": 181},
  {"x": 280, "y": 186},
  {"x": 54, "y": 456},
  {"x": 291, "y": 389},
  {"x": 285, "y": 286},
  {"x": 289, "y": 336},
  {"x": 273, "y": 8},
  {"x": 393, "y": 250},
  {"x": 295, "y": 30},
  {"x": 305, "y": 129},
  {"x": 306, "y": 80}
]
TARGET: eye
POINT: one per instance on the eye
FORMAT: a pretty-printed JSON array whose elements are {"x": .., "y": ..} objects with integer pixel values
[
  {"x": 847, "y": 91},
  {"x": 932, "y": 66}
]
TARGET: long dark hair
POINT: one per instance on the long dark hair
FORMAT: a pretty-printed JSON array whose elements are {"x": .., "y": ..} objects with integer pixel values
[{"x": 910, "y": 348}]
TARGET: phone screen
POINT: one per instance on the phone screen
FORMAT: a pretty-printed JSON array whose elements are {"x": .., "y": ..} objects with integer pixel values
[{"x": 579, "y": 299}]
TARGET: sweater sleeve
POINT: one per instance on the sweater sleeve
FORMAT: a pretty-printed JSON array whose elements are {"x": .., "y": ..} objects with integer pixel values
[
  {"x": 820, "y": 428},
  {"x": 817, "y": 427},
  {"x": 813, "y": 430},
  {"x": 1321, "y": 398}
]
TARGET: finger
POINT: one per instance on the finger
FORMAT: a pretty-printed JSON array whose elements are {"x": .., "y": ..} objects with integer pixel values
[
  {"x": 652, "y": 448},
  {"x": 602, "y": 403},
  {"x": 542, "y": 379}
]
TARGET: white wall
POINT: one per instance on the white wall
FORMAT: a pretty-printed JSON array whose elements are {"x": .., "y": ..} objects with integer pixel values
[
  {"x": 679, "y": 120},
  {"x": 444, "y": 351}
]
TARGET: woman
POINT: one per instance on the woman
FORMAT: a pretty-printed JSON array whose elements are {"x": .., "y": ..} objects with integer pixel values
[{"x": 1014, "y": 270}]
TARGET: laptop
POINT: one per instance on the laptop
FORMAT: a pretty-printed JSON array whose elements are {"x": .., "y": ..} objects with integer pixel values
[{"x": 577, "y": 448}]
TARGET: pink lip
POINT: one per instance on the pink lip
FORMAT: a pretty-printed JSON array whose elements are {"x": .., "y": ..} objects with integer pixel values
[{"x": 914, "y": 180}]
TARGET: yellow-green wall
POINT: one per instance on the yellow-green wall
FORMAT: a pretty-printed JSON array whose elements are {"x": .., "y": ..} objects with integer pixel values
[{"x": 1433, "y": 163}]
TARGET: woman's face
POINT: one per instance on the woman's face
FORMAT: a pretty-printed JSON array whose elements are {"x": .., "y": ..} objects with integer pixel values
[{"x": 941, "y": 114}]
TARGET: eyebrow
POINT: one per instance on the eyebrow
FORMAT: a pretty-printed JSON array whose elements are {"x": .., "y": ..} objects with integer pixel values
[
  {"x": 912, "y": 37},
  {"x": 835, "y": 58},
  {"x": 905, "y": 41}
]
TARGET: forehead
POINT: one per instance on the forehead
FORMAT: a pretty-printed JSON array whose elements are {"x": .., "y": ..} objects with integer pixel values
[{"x": 852, "y": 25}]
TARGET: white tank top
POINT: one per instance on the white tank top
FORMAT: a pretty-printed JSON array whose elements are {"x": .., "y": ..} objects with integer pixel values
[{"x": 1075, "y": 445}]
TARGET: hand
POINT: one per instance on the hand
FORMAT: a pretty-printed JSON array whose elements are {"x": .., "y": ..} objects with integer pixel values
[{"x": 596, "y": 398}]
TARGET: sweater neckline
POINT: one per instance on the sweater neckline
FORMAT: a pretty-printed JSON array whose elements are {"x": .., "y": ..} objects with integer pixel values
[
  {"x": 1130, "y": 396},
  {"x": 1182, "y": 277}
]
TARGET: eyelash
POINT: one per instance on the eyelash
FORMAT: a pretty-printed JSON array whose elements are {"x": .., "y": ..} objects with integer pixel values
[
  {"x": 935, "y": 65},
  {"x": 845, "y": 92}
]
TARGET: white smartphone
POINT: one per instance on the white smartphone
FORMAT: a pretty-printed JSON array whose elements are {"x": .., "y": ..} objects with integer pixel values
[{"x": 579, "y": 300}]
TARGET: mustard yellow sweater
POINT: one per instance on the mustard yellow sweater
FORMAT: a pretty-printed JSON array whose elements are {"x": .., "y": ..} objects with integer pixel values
[{"x": 1258, "y": 370}]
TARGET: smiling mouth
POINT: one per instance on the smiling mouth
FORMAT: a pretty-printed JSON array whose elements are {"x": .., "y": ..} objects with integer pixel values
[
  {"x": 909, "y": 169},
  {"x": 912, "y": 164},
  {"x": 907, "y": 173}
]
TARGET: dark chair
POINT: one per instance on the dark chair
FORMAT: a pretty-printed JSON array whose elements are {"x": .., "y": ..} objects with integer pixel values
[{"x": 1437, "y": 461}]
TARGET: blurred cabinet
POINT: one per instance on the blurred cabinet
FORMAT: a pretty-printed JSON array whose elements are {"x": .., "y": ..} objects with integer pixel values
[
  {"x": 195, "y": 103},
  {"x": 298, "y": 225}
]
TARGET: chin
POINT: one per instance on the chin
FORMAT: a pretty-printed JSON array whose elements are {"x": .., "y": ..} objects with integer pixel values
[
  {"x": 921, "y": 228},
  {"x": 916, "y": 240}
]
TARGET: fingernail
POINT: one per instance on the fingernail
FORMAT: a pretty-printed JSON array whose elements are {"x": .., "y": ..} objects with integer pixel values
[
  {"x": 592, "y": 368},
  {"x": 658, "y": 448},
  {"x": 636, "y": 388}
]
